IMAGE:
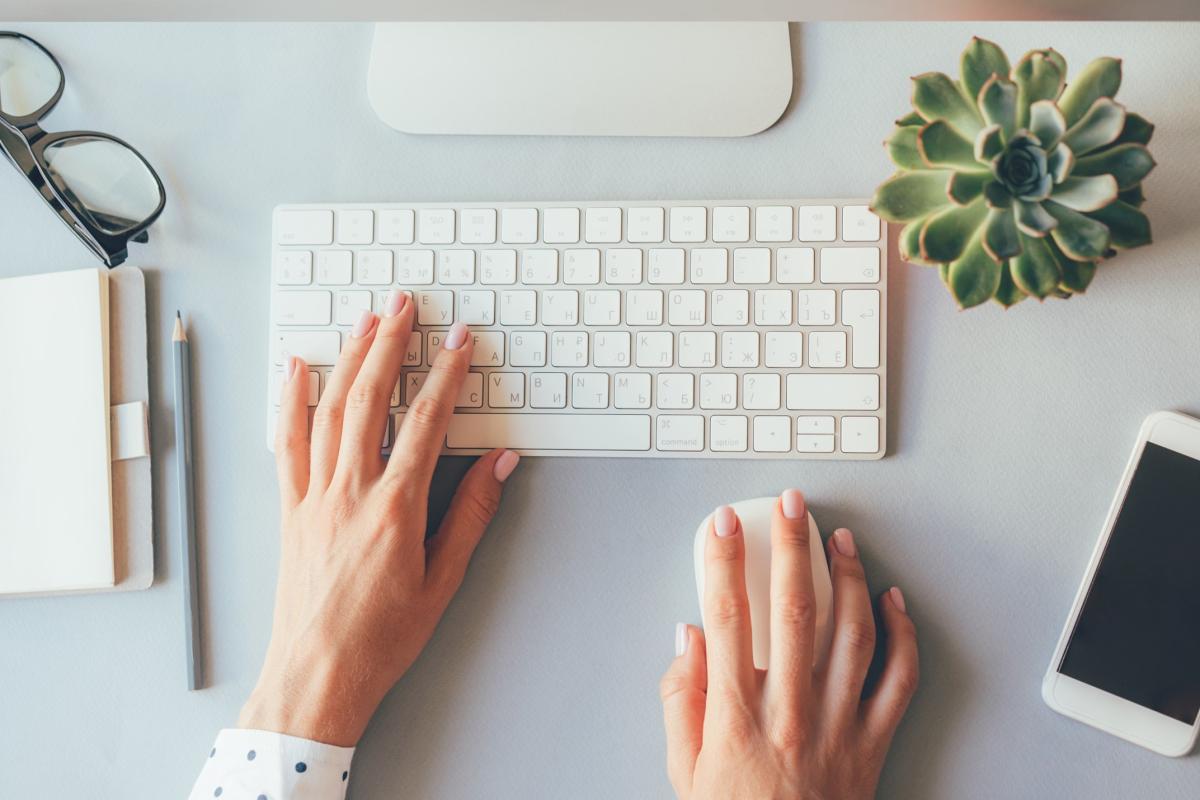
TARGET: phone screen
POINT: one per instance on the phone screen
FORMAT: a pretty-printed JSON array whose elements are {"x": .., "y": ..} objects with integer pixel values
[{"x": 1138, "y": 633}]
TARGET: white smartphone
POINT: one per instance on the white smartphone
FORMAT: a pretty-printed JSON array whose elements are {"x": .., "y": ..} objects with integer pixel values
[{"x": 1128, "y": 659}]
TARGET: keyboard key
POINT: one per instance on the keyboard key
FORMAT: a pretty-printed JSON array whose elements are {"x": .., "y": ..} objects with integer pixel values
[
  {"x": 527, "y": 349},
  {"x": 435, "y": 226},
  {"x": 739, "y": 349},
  {"x": 850, "y": 265},
  {"x": 710, "y": 265},
  {"x": 665, "y": 266},
  {"x": 304, "y": 226},
  {"x": 569, "y": 349},
  {"x": 547, "y": 390},
  {"x": 689, "y": 224},
  {"x": 477, "y": 307},
  {"x": 602, "y": 307},
  {"x": 773, "y": 223},
  {"x": 293, "y": 267},
  {"x": 560, "y": 307},
  {"x": 815, "y": 306},
  {"x": 654, "y": 349},
  {"x": 852, "y": 392},
  {"x": 860, "y": 310},
  {"x": 602, "y": 225},
  {"x": 519, "y": 225},
  {"x": 794, "y": 265},
  {"x": 773, "y": 307},
  {"x": 477, "y": 226},
  {"x": 674, "y": 390},
  {"x": 751, "y": 265},
  {"x": 760, "y": 391},
  {"x": 498, "y": 267},
  {"x": 814, "y": 425},
  {"x": 816, "y": 223},
  {"x": 718, "y": 390},
  {"x": 374, "y": 267},
  {"x": 456, "y": 267},
  {"x": 518, "y": 308},
  {"x": 539, "y": 267},
  {"x": 506, "y": 389},
  {"x": 859, "y": 224},
  {"x": 784, "y": 349},
  {"x": 414, "y": 267},
  {"x": 730, "y": 307},
  {"x": 860, "y": 434},
  {"x": 560, "y": 225},
  {"x": 697, "y": 349},
  {"x": 611, "y": 348},
  {"x": 814, "y": 443},
  {"x": 395, "y": 226},
  {"x": 412, "y": 353},
  {"x": 631, "y": 390},
  {"x": 772, "y": 434},
  {"x": 727, "y": 433},
  {"x": 644, "y": 307},
  {"x": 827, "y": 349},
  {"x": 349, "y": 305},
  {"x": 435, "y": 308},
  {"x": 731, "y": 224},
  {"x": 581, "y": 267},
  {"x": 471, "y": 393},
  {"x": 317, "y": 348},
  {"x": 645, "y": 225},
  {"x": 619, "y": 432},
  {"x": 413, "y": 383},
  {"x": 303, "y": 308},
  {"x": 334, "y": 268},
  {"x": 622, "y": 266},
  {"x": 589, "y": 390},
  {"x": 686, "y": 307},
  {"x": 314, "y": 387},
  {"x": 679, "y": 432},
  {"x": 355, "y": 226}
]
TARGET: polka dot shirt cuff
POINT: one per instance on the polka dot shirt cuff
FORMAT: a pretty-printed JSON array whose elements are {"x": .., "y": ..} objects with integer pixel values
[{"x": 262, "y": 765}]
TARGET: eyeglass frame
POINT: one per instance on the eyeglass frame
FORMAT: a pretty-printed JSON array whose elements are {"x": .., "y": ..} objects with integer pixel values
[{"x": 111, "y": 248}]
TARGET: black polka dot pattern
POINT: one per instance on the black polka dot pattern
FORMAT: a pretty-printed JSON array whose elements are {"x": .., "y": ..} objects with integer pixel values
[
  {"x": 250, "y": 756},
  {"x": 245, "y": 764},
  {"x": 217, "y": 792},
  {"x": 301, "y": 766},
  {"x": 345, "y": 774}
]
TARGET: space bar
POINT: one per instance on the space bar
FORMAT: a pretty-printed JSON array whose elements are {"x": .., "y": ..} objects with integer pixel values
[{"x": 549, "y": 431}]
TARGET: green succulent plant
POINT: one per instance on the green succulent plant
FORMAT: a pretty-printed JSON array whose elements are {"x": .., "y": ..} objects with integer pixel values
[{"x": 1013, "y": 182}]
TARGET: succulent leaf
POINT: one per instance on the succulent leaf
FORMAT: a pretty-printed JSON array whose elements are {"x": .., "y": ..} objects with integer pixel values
[
  {"x": 1101, "y": 78},
  {"x": 966, "y": 186},
  {"x": 1022, "y": 168},
  {"x": 935, "y": 96},
  {"x": 974, "y": 276},
  {"x": 997, "y": 195},
  {"x": 998, "y": 102},
  {"x": 1137, "y": 130},
  {"x": 1101, "y": 125},
  {"x": 1033, "y": 220},
  {"x": 908, "y": 195},
  {"x": 1133, "y": 196},
  {"x": 1008, "y": 294},
  {"x": 980, "y": 61},
  {"x": 910, "y": 242},
  {"x": 911, "y": 118},
  {"x": 1038, "y": 77},
  {"x": 1078, "y": 236},
  {"x": 1076, "y": 275},
  {"x": 1046, "y": 123},
  {"x": 1036, "y": 270},
  {"x": 1000, "y": 237},
  {"x": 941, "y": 145},
  {"x": 1059, "y": 162},
  {"x": 947, "y": 234},
  {"x": 902, "y": 148},
  {"x": 1086, "y": 193},
  {"x": 988, "y": 144},
  {"x": 1128, "y": 163},
  {"x": 1129, "y": 226}
]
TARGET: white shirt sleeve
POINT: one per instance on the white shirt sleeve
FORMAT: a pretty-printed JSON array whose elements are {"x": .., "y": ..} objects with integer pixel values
[{"x": 261, "y": 765}]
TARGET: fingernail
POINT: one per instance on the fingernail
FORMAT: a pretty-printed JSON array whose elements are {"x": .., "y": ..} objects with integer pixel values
[
  {"x": 793, "y": 503},
  {"x": 395, "y": 304},
  {"x": 898, "y": 598},
  {"x": 505, "y": 465},
  {"x": 725, "y": 521},
  {"x": 681, "y": 639},
  {"x": 363, "y": 325},
  {"x": 843, "y": 540},
  {"x": 456, "y": 338}
]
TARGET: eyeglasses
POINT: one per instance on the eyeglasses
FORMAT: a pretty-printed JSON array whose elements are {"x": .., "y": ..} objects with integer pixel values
[{"x": 102, "y": 188}]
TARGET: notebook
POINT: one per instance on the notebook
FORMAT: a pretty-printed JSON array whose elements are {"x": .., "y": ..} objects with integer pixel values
[{"x": 74, "y": 516}]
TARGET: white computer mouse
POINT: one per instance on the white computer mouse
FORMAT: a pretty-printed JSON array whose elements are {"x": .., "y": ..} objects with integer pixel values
[{"x": 755, "y": 516}]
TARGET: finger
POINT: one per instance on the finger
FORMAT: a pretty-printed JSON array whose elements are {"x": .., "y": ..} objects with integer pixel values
[
  {"x": 327, "y": 419},
  {"x": 368, "y": 399},
  {"x": 291, "y": 434},
  {"x": 731, "y": 673},
  {"x": 853, "y": 629},
  {"x": 901, "y": 670},
  {"x": 474, "y": 504},
  {"x": 419, "y": 440},
  {"x": 793, "y": 610},
  {"x": 683, "y": 690}
]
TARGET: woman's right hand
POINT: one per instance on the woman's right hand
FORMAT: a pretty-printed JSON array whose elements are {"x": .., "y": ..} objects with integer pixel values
[{"x": 790, "y": 731}]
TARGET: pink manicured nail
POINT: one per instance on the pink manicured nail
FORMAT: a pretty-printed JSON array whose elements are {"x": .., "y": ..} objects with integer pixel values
[
  {"x": 456, "y": 338},
  {"x": 843, "y": 540},
  {"x": 363, "y": 326},
  {"x": 395, "y": 304},
  {"x": 898, "y": 598},
  {"x": 505, "y": 465},
  {"x": 681, "y": 639},
  {"x": 793, "y": 503},
  {"x": 725, "y": 521}
]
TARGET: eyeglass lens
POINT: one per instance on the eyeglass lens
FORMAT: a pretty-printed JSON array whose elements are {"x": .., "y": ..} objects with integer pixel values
[
  {"x": 104, "y": 180},
  {"x": 29, "y": 78}
]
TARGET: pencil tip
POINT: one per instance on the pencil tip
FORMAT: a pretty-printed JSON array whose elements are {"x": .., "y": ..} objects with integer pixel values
[
  {"x": 178, "y": 315},
  {"x": 178, "y": 333}
]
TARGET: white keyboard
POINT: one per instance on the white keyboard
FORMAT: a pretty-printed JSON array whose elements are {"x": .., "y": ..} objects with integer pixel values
[{"x": 725, "y": 329}]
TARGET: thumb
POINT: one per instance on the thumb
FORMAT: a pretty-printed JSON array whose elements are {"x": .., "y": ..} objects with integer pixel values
[
  {"x": 684, "y": 693},
  {"x": 474, "y": 504}
]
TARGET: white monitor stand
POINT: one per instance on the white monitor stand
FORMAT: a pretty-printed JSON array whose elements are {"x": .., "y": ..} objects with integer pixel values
[{"x": 581, "y": 78}]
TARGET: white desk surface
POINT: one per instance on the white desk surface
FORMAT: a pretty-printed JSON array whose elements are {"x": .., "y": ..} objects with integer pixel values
[{"x": 1009, "y": 431}]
